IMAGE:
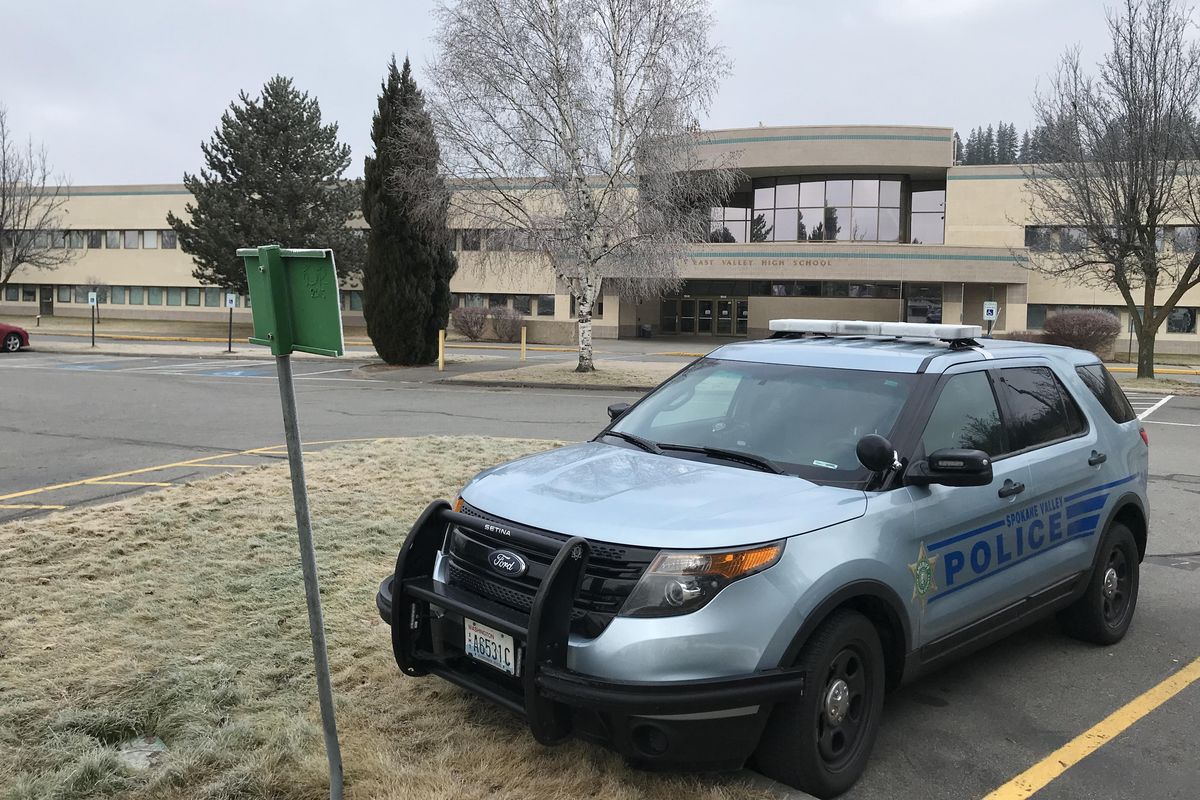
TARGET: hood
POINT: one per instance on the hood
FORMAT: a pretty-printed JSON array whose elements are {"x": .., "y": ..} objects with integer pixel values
[{"x": 616, "y": 494}]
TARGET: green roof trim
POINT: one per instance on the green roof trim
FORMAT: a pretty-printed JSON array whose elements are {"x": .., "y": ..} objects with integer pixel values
[
  {"x": 833, "y": 137},
  {"x": 865, "y": 256}
]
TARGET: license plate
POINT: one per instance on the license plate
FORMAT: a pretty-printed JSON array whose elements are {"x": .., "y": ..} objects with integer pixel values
[{"x": 490, "y": 646}]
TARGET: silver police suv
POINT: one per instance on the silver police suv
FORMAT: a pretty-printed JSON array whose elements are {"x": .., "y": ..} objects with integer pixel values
[{"x": 742, "y": 563}]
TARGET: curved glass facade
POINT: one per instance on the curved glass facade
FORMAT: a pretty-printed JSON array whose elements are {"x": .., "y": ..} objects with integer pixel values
[{"x": 832, "y": 209}]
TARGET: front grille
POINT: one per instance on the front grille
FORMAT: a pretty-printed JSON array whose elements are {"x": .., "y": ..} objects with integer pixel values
[{"x": 612, "y": 572}]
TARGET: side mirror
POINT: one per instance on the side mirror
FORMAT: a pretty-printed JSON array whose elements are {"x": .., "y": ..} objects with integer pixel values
[
  {"x": 617, "y": 409},
  {"x": 876, "y": 453},
  {"x": 952, "y": 467}
]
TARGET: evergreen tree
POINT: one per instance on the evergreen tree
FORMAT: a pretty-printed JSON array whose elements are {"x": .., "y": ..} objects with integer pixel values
[
  {"x": 958, "y": 149},
  {"x": 987, "y": 154},
  {"x": 1006, "y": 143},
  {"x": 272, "y": 175},
  {"x": 1025, "y": 155},
  {"x": 406, "y": 280}
]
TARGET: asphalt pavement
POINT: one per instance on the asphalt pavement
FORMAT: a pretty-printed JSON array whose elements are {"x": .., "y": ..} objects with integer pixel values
[{"x": 82, "y": 429}]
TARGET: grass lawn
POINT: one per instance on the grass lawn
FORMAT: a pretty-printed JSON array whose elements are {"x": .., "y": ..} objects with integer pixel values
[
  {"x": 1130, "y": 383},
  {"x": 180, "y": 614},
  {"x": 607, "y": 373}
]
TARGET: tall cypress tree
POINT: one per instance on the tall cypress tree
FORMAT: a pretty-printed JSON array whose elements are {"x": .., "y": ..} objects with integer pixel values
[
  {"x": 272, "y": 175},
  {"x": 409, "y": 263}
]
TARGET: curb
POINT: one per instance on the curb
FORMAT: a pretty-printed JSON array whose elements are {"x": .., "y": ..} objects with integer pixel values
[{"x": 603, "y": 387}]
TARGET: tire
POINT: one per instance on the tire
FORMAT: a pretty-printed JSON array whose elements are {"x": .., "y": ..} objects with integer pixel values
[
  {"x": 1102, "y": 615},
  {"x": 802, "y": 746},
  {"x": 12, "y": 343}
]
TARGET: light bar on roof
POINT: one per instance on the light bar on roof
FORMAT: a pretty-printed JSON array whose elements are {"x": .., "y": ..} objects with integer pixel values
[{"x": 914, "y": 330}]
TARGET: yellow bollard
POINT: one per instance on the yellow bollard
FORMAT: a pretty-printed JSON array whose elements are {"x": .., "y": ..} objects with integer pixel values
[
  {"x": 522, "y": 342},
  {"x": 441, "y": 350}
]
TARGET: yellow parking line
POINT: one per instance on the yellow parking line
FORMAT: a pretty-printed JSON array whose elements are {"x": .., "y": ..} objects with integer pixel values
[
  {"x": 1159, "y": 370},
  {"x": 128, "y": 483},
  {"x": 1083, "y": 745},
  {"x": 28, "y": 506},
  {"x": 226, "y": 466},
  {"x": 194, "y": 462}
]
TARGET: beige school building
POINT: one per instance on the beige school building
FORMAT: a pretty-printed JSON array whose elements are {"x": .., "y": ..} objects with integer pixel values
[{"x": 832, "y": 222}]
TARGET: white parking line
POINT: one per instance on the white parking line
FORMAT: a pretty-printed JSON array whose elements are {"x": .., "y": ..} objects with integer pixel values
[
  {"x": 1155, "y": 407},
  {"x": 1180, "y": 424}
]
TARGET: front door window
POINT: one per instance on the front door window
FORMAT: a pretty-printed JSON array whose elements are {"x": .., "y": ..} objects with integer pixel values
[
  {"x": 724, "y": 317},
  {"x": 704, "y": 323}
]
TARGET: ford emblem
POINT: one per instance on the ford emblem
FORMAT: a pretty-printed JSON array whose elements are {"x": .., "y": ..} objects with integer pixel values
[{"x": 506, "y": 562}]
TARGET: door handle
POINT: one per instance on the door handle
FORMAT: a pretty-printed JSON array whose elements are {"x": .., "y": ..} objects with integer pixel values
[
  {"x": 1097, "y": 459},
  {"x": 1010, "y": 489}
]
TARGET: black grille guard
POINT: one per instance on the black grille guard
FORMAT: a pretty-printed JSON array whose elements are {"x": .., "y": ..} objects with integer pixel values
[{"x": 549, "y": 688}]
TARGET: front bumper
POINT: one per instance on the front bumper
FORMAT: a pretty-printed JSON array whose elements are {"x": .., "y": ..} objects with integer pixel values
[{"x": 696, "y": 724}]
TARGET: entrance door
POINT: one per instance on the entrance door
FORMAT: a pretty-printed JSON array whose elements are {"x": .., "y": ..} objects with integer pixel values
[
  {"x": 743, "y": 316},
  {"x": 668, "y": 318},
  {"x": 724, "y": 317},
  {"x": 47, "y": 302},
  {"x": 687, "y": 316},
  {"x": 704, "y": 323}
]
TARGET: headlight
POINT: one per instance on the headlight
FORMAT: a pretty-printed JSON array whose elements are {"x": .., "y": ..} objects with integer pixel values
[{"x": 681, "y": 582}]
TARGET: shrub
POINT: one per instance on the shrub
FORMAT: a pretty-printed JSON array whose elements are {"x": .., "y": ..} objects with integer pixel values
[
  {"x": 507, "y": 324},
  {"x": 470, "y": 321},
  {"x": 1086, "y": 330}
]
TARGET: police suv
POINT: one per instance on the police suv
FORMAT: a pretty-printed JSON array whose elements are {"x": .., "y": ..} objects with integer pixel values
[{"x": 743, "y": 562}]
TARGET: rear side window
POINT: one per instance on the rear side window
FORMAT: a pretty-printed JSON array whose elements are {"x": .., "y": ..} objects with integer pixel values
[
  {"x": 1040, "y": 409},
  {"x": 1102, "y": 384}
]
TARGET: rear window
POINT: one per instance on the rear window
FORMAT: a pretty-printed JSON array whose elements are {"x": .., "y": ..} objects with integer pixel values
[
  {"x": 1106, "y": 389},
  {"x": 1040, "y": 409}
]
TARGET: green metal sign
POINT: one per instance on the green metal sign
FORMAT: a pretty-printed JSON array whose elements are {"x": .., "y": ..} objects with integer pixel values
[{"x": 294, "y": 300}]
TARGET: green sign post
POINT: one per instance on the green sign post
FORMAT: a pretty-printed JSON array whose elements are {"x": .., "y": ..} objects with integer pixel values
[{"x": 294, "y": 301}]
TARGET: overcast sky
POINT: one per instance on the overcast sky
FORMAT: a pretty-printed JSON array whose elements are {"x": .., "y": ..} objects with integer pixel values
[{"x": 125, "y": 91}]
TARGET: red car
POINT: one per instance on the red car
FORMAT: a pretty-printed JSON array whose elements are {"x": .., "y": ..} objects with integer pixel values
[{"x": 13, "y": 338}]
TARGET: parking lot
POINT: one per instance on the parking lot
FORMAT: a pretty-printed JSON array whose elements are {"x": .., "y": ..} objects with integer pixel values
[{"x": 82, "y": 429}]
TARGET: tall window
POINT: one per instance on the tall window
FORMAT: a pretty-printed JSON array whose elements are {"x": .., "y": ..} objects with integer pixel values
[
  {"x": 150, "y": 240},
  {"x": 112, "y": 240},
  {"x": 168, "y": 239},
  {"x": 131, "y": 240},
  {"x": 95, "y": 239},
  {"x": 928, "y": 218},
  {"x": 790, "y": 209}
]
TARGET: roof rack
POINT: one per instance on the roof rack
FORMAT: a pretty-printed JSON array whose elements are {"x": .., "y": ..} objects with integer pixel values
[{"x": 956, "y": 335}]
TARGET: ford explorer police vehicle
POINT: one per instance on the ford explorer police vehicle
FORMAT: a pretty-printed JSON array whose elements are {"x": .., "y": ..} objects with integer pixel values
[{"x": 742, "y": 563}]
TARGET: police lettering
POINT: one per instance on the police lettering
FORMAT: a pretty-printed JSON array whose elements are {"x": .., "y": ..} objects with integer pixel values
[{"x": 1025, "y": 532}]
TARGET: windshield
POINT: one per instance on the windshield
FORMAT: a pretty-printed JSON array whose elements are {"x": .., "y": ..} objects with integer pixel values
[{"x": 805, "y": 420}]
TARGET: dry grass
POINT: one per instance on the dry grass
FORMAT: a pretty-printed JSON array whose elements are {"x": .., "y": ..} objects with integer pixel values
[
  {"x": 1130, "y": 382},
  {"x": 608, "y": 373},
  {"x": 181, "y": 614}
]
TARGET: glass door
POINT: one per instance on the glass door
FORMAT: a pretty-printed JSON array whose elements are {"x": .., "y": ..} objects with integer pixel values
[
  {"x": 724, "y": 317},
  {"x": 687, "y": 316},
  {"x": 668, "y": 319},
  {"x": 743, "y": 316},
  {"x": 46, "y": 308},
  {"x": 704, "y": 323}
]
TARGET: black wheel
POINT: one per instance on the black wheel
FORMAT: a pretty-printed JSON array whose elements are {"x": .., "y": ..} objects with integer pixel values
[
  {"x": 12, "y": 343},
  {"x": 821, "y": 742},
  {"x": 1104, "y": 612}
]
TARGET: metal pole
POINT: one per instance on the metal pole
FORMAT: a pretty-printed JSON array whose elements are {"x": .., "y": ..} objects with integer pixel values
[
  {"x": 522, "y": 342},
  {"x": 93, "y": 326},
  {"x": 308, "y": 563},
  {"x": 230, "y": 350},
  {"x": 441, "y": 350}
]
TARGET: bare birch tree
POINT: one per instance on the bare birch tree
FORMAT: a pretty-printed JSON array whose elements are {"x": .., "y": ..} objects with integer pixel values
[
  {"x": 32, "y": 207},
  {"x": 1122, "y": 156},
  {"x": 571, "y": 124}
]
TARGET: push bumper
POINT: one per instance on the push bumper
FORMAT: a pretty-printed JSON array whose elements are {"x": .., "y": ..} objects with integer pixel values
[{"x": 696, "y": 724}]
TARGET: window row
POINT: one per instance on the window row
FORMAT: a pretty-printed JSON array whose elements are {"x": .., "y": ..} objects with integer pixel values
[
  {"x": 541, "y": 305},
  {"x": 492, "y": 239},
  {"x": 1074, "y": 238},
  {"x": 128, "y": 295},
  {"x": 796, "y": 192},
  {"x": 141, "y": 239},
  {"x": 1180, "y": 320}
]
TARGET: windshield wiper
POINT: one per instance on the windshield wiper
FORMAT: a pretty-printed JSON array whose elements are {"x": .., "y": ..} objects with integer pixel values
[
  {"x": 632, "y": 438},
  {"x": 758, "y": 462}
]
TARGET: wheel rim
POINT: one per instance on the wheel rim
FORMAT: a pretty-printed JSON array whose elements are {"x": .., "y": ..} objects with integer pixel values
[
  {"x": 1116, "y": 587},
  {"x": 845, "y": 703},
  {"x": 12, "y": 343}
]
